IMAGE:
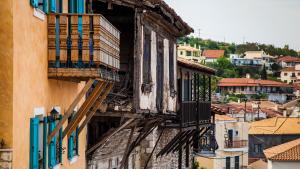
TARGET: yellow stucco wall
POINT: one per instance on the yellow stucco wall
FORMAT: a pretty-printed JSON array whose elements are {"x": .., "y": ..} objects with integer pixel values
[
  {"x": 205, "y": 163},
  {"x": 31, "y": 86},
  {"x": 6, "y": 72}
]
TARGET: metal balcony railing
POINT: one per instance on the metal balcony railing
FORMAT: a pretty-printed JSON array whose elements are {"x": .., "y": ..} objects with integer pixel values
[{"x": 193, "y": 110}]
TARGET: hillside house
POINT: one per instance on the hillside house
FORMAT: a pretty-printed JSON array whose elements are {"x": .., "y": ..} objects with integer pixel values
[
  {"x": 189, "y": 52},
  {"x": 288, "y": 61},
  {"x": 91, "y": 70},
  {"x": 290, "y": 75},
  {"x": 270, "y": 132},
  {"x": 276, "y": 91}
]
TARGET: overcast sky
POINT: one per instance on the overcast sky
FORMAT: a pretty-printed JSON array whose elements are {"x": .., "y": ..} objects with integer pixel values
[{"x": 267, "y": 21}]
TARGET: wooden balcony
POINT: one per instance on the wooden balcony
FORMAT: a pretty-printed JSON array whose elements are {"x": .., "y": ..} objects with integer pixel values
[
  {"x": 82, "y": 46},
  {"x": 236, "y": 144},
  {"x": 191, "y": 111}
]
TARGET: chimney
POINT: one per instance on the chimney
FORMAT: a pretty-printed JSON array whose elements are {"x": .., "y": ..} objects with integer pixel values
[
  {"x": 248, "y": 76},
  {"x": 195, "y": 45},
  {"x": 184, "y": 43}
]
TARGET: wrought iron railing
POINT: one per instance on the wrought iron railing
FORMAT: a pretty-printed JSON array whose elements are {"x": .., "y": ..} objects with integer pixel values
[{"x": 191, "y": 111}]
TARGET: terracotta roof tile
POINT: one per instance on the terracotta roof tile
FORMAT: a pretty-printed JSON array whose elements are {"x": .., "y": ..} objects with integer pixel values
[
  {"x": 276, "y": 125},
  {"x": 289, "y": 151},
  {"x": 259, "y": 164},
  {"x": 250, "y": 82},
  {"x": 213, "y": 53},
  {"x": 194, "y": 65},
  {"x": 288, "y": 59}
]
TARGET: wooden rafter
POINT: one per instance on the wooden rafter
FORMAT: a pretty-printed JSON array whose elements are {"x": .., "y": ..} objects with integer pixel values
[
  {"x": 96, "y": 106},
  {"x": 90, "y": 101},
  {"x": 70, "y": 109}
]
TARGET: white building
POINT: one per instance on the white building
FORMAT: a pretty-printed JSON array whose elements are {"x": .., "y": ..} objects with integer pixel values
[
  {"x": 189, "y": 52},
  {"x": 232, "y": 139},
  {"x": 284, "y": 156},
  {"x": 290, "y": 74}
]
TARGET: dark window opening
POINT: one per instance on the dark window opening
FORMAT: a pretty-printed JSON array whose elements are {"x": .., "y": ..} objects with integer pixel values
[
  {"x": 227, "y": 163},
  {"x": 258, "y": 148},
  {"x": 171, "y": 67},
  {"x": 160, "y": 73},
  {"x": 147, "y": 56},
  {"x": 236, "y": 162}
]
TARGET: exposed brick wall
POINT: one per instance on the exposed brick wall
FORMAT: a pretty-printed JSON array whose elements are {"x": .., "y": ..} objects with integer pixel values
[
  {"x": 113, "y": 150},
  {"x": 5, "y": 159}
]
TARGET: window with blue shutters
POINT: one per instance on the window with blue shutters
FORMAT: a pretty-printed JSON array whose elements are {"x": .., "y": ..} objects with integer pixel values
[
  {"x": 73, "y": 144},
  {"x": 34, "y": 143},
  {"x": 55, "y": 145}
]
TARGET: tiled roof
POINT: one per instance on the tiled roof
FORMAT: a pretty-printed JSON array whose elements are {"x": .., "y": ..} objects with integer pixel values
[
  {"x": 276, "y": 126},
  {"x": 288, "y": 59},
  {"x": 250, "y": 82},
  {"x": 219, "y": 117},
  {"x": 214, "y": 54},
  {"x": 194, "y": 65},
  {"x": 289, "y": 151},
  {"x": 259, "y": 164},
  {"x": 237, "y": 108}
]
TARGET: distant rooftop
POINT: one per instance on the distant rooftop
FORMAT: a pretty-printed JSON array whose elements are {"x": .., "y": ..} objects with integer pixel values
[
  {"x": 289, "y": 151},
  {"x": 250, "y": 82},
  {"x": 288, "y": 59},
  {"x": 276, "y": 126},
  {"x": 213, "y": 54},
  {"x": 194, "y": 65}
]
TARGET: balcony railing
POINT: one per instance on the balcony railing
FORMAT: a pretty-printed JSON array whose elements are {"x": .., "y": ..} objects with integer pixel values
[
  {"x": 82, "y": 46},
  {"x": 236, "y": 144},
  {"x": 193, "y": 110}
]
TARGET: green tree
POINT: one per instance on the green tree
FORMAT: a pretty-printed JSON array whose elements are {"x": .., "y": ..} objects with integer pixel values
[{"x": 264, "y": 73}]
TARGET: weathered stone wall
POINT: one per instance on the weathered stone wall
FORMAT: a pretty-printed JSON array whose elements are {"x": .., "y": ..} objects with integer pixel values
[
  {"x": 110, "y": 155},
  {"x": 5, "y": 159}
]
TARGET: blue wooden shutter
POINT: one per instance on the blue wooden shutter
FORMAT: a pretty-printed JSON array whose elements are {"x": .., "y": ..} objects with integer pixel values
[
  {"x": 45, "y": 6},
  {"x": 34, "y": 143},
  {"x": 45, "y": 128},
  {"x": 80, "y": 6},
  {"x": 71, "y": 146},
  {"x": 53, "y": 6},
  {"x": 60, "y": 142},
  {"x": 52, "y": 146},
  {"x": 34, "y": 3}
]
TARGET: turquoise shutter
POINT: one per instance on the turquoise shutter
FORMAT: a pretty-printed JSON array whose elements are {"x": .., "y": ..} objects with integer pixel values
[
  {"x": 45, "y": 128},
  {"x": 53, "y": 6},
  {"x": 52, "y": 146},
  {"x": 34, "y": 143},
  {"x": 70, "y": 146},
  {"x": 80, "y": 6},
  {"x": 60, "y": 142},
  {"x": 34, "y": 3},
  {"x": 45, "y": 6}
]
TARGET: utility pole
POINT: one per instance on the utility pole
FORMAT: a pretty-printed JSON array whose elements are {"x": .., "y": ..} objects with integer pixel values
[{"x": 199, "y": 33}]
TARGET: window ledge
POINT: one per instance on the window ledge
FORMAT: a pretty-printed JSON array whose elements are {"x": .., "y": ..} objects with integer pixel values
[
  {"x": 57, "y": 166},
  {"x": 39, "y": 14},
  {"x": 74, "y": 159}
]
